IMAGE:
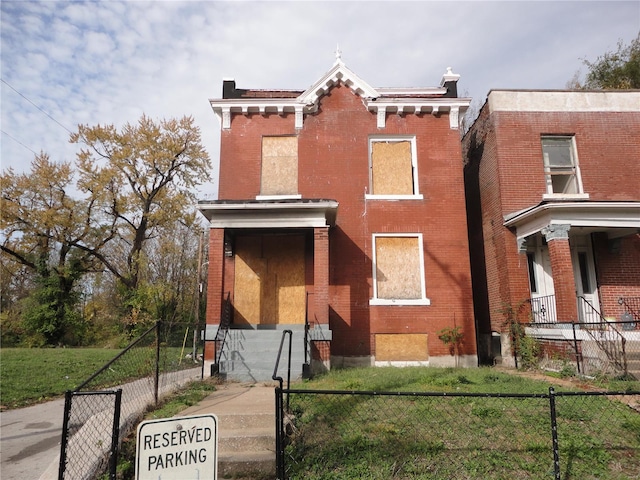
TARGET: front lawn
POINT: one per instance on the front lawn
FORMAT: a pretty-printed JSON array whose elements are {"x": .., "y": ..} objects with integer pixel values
[{"x": 458, "y": 435}]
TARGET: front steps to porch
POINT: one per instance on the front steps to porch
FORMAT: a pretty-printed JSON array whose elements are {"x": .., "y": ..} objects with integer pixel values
[{"x": 249, "y": 354}]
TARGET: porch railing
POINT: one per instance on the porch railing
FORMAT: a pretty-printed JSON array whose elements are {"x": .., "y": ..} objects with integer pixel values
[
  {"x": 543, "y": 309},
  {"x": 631, "y": 307},
  {"x": 223, "y": 328},
  {"x": 605, "y": 334}
]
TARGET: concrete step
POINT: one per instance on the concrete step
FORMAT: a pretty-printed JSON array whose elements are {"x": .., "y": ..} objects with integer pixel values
[
  {"x": 245, "y": 421},
  {"x": 247, "y": 440},
  {"x": 247, "y": 465},
  {"x": 249, "y": 355}
]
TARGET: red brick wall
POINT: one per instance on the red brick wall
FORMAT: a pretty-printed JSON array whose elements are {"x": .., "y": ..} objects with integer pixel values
[
  {"x": 333, "y": 164},
  {"x": 607, "y": 144},
  {"x": 618, "y": 272}
]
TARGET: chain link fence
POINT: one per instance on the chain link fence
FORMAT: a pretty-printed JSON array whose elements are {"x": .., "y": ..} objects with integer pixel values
[
  {"x": 161, "y": 360},
  {"x": 606, "y": 349},
  {"x": 350, "y": 435}
]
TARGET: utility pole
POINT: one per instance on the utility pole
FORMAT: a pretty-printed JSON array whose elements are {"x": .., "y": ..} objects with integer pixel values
[{"x": 197, "y": 301}]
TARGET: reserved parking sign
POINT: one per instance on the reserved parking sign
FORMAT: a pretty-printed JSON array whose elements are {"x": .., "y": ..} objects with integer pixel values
[{"x": 180, "y": 448}]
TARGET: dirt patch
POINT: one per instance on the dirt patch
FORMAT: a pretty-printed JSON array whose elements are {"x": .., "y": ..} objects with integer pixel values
[{"x": 573, "y": 382}]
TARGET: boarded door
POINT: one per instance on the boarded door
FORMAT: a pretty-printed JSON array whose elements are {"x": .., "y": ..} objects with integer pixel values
[{"x": 269, "y": 280}]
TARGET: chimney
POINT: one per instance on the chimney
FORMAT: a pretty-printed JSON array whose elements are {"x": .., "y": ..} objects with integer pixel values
[{"x": 228, "y": 88}]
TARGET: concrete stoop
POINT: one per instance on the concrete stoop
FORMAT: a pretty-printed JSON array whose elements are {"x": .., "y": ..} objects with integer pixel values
[{"x": 246, "y": 446}]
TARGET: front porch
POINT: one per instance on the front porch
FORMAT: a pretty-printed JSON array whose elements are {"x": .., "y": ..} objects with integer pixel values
[{"x": 268, "y": 273}]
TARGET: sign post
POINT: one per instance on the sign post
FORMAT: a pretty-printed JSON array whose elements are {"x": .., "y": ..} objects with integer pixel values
[{"x": 184, "y": 448}]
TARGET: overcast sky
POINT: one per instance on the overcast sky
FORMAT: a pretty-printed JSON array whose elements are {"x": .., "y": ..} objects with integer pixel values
[{"x": 109, "y": 62}]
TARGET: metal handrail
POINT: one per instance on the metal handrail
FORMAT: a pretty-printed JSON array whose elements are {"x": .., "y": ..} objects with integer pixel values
[
  {"x": 275, "y": 369},
  {"x": 609, "y": 336},
  {"x": 223, "y": 328},
  {"x": 631, "y": 306},
  {"x": 306, "y": 330}
]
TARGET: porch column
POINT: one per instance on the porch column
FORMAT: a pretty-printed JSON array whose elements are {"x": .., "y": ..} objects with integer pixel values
[
  {"x": 214, "y": 283},
  {"x": 557, "y": 237},
  {"x": 321, "y": 274}
]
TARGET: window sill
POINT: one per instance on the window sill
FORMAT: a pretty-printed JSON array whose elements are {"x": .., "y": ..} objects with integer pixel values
[
  {"x": 393, "y": 197},
  {"x": 278, "y": 197},
  {"x": 565, "y": 196},
  {"x": 385, "y": 301}
]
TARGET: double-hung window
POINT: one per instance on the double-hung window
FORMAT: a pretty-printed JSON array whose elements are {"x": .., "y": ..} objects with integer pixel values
[
  {"x": 393, "y": 168},
  {"x": 398, "y": 270},
  {"x": 279, "y": 175},
  {"x": 561, "y": 166}
]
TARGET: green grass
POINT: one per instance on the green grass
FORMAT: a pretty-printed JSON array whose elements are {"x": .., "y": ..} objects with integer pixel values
[
  {"x": 412, "y": 437},
  {"x": 33, "y": 375}
]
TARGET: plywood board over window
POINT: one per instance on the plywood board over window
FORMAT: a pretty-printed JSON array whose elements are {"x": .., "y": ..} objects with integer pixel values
[
  {"x": 391, "y": 168},
  {"x": 398, "y": 270},
  {"x": 279, "y": 166},
  {"x": 402, "y": 347}
]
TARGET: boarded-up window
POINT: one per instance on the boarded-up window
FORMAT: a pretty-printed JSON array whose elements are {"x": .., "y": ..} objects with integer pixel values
[
  {"x": 398, "y": 265},
  {"x": 392, "y": 167},
  {"x": 279, "y": 166}
]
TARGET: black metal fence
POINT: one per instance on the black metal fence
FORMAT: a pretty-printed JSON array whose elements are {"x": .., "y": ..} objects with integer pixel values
[
  {"x": 108, "y": 405},
  {"x": 401, "y": 435}
]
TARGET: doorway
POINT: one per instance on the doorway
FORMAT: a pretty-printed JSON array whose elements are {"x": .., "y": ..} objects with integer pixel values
[{"x": 269, "y": 284}]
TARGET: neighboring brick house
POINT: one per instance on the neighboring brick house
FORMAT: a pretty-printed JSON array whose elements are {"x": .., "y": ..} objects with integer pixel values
[
  {"x": 343, "y": 206},
  {"x": 552, "y": 181}
]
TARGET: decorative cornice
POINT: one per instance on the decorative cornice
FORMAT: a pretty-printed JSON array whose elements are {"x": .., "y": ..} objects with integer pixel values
[
  {"x": 380, "y": 101},
  {"x": 270, "y": 214},
  {"x": 556, "y": 232}
]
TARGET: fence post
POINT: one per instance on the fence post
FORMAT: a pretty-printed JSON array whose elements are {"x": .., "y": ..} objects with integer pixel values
[
  {"x": 554, "y": 433},
  {"x": 279, "y": 434},
  {"x": 65, "y": 430},
  {"x": 115, "y": 436},
  {"x": 157, "y": 372},
  {"x": 575, "y": 347}
]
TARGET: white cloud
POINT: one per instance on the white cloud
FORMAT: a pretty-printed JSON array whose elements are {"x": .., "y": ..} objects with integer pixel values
[{"x": 109, "y": 62}]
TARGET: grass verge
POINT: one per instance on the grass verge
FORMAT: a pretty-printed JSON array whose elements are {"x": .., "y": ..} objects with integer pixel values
[{"x": 34, "y": 375}]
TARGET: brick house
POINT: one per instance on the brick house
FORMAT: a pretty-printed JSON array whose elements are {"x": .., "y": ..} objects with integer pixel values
[
  {"x": 553, "y": 200},
  {"x": 341, "y": 215}
]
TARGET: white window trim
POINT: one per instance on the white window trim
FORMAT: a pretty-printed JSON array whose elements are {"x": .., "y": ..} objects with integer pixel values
[
  {"x": 401, "y": 301},
  {"x": 551, "y": 195},
  {"x": 414, "y": 167},
  {"x": 278, "y": 197}
]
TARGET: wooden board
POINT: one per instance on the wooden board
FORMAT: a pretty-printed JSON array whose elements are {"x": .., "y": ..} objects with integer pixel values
[
  {"x": 392, "y": 172},
  {"x": 398, "y": 268},
  {"x": 402, "y": 347},
  {"x": 270, "y": 281},
  {"x": 279, "y": 166}
]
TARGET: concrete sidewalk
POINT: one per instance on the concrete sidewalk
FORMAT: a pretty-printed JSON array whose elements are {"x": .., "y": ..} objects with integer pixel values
[
  {"x": 246, "y": 428},
  {"x": 237, "y": 399}
]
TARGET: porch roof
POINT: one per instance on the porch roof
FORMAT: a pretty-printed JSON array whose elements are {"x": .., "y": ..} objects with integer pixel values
[
  {"x": 618, "y": 219},
  {"x": 289, "y": 213}
]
